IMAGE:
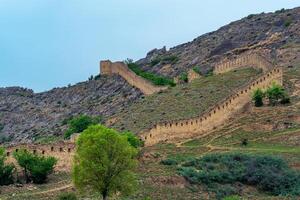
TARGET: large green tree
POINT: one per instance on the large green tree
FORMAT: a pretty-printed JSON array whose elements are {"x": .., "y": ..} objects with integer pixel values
[{"x": 104, "y": 162}]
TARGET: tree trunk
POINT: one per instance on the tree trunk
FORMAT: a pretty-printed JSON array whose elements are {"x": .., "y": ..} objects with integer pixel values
[{"x": 105, "y": 195}]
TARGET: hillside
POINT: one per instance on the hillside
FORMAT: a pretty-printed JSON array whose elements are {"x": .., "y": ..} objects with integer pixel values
[
  {"x": 182, "y": 102},
  {"x": 26, "y": 116},
  {"x": 267, "y": 32}
]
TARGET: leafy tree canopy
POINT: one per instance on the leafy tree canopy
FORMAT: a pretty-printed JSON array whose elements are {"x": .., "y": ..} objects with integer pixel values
[{"x": 104, "y": 162}]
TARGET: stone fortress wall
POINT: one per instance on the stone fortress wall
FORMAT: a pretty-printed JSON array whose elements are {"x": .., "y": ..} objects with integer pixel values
[
  {"x": 120, "y": 68},
  {"x": 220, "y": 113},
  {"x": 63, "y": 151},
  {"x": 246, "y": 60}
]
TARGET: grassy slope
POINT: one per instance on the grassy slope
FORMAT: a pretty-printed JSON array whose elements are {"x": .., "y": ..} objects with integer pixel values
[{"x": 182, "y": 102}]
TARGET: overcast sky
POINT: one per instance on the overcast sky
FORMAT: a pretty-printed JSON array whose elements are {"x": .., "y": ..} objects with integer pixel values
[{"x": 51, "y": 43}]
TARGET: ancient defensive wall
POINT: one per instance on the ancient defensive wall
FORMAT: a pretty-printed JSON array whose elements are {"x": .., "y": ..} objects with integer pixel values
[
  {"x": 120, "y": 68},
  {"x": 217, "y": 115},
  {"x": 245, "y": 60},
  {"x": 63, "y": 151}
]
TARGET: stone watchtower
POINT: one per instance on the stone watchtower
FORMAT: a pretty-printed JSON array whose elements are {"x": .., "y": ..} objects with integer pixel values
[{"x": 106, "y": 67}]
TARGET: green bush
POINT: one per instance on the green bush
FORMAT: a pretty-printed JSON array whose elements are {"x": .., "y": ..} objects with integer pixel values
[
  {"x": 268, "y": 173},
  {"x": 67, "y": 196},
  {"x": 36, "y": 168},
  {"x": 184, "y": 77},
  {"x": 169, "y": 161},
  {"x": 257, "y": 97},
  {"x": 155, "y": 79},
  {"x": 170, "y": 59},
  {"x": 80, "y": 123},
  {"x": 155, "y": 61},
  {"x": 276, "y": 94},
  {"x": 133, "y": 140},
  {"x": 234, "y": 197},
  {"x": 288, "y": 22},
  {"x": 197, "y": 70},
  {"x": 6, "y": 170}
]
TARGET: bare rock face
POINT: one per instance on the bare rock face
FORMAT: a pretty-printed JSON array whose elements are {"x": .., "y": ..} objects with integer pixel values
[
  {"x": 25, "y": 115},
  {"x": 269, "y": 31}
]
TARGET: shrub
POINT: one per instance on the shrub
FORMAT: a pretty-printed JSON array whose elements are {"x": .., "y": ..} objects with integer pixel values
[
  {"x": 234, "y": 197},
  {"x": 197, "y": 70},
  {"x": 169, "y": 161},
  {"x": 288, "y": 22},
  {"x": 155, "y": 79},
  {"x": 155, "y": 61},
  {"x": 257, "y": 97},
  {"x": 170, "y": 59},
  {"x": 67, "y": 196},
  {"x": 36, "y": 168},
  {"x": 184, "y": 77},
  {"x": 268, "y": 173},
  {"x": 80, "y": 123},
  {"x": 280, "y": 11},
  {"x": 6, "y": 170},
  {"x": 209, "y": 73},
  {"x": 244, "y": 142},
  {"x": 276, "y": 94},
  {"x": 250, "y": 16},
  {"x": 133, "y": 140}
]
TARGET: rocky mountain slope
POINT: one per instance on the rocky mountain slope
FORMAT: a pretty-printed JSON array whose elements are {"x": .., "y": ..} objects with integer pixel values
[
  {"x": 25, "y": 116},
  {"x": 264, "y": 32}
]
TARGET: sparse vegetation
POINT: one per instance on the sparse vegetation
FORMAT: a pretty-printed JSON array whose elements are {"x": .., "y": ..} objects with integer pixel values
[
  {"x": 197, "y": 70},
  {"x": 80, "y": 123},
  {"x": 258, "y": 97},
  {"x": 280, "y": 11},
  {"x": 133, "y": 139},
  {"x": 155, "y": 79},
  {"x": 184, "y": 77},
  {"x": 170, "y": 59},
  {"x": 104, "y": 162},
  {"x": 250, "y": 16},
  {"x": 268, "y": 173},
  {"x": 67, "y": 196},
  {"x": 6, "y": 170},
  {"x": 288, "y": 22},
  {"x": 36, "y": 168},
  {"x": 169, "y": 161},
  {"x": 276, "y": 94}
]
